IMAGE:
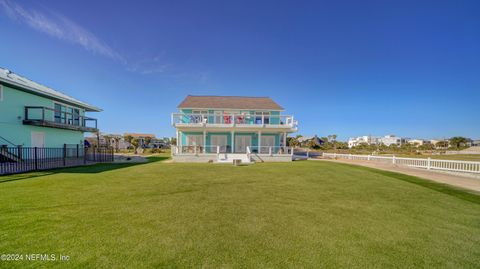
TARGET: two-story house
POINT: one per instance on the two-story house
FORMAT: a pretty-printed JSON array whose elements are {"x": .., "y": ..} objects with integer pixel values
[
  {"x": 33, "y": 115},
  {"x": 224, "y": 128}
]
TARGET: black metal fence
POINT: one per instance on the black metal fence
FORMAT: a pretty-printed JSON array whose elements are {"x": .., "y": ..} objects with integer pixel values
[{"x": 23, "y": 159}]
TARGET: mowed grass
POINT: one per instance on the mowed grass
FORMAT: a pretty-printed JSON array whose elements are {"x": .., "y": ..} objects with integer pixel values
[{"x": 308, "y": 214}]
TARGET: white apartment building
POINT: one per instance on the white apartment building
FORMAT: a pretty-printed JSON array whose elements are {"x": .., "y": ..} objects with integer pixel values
[
  {"x": 368, "y": 139},
  {"x": 418, "y": 142},
  {"x": 392, "y": 140},
  {"x": 373, "y": 140}
]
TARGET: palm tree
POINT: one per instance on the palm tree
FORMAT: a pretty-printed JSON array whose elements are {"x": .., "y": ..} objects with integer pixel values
[{"x": 128, "y": 139}]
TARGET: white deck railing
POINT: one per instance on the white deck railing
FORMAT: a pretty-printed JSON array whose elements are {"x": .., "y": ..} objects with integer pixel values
[
  {"x": 215, "y": 149},
  {"x": 233, "y": 119},
  {"x": 427, "y": 163}
]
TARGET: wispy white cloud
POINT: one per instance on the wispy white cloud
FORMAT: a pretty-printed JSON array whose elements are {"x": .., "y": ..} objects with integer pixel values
[
  {"x": 58, "y": 26},
  {"x": 150, "y": 65}
]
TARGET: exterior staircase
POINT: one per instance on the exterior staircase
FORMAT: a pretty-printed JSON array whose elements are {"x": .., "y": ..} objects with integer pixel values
[
  {"x": 7, "y": 156},
  {"x": 229, "y": 157}
]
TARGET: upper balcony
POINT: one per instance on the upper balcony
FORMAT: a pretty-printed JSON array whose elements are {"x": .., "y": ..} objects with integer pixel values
[
  {"x": 229, "y": 120},
  {"x": 50, "y": 117}
]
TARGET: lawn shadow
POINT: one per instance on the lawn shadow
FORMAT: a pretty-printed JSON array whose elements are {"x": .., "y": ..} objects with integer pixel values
[
  {"x": 103, "y": 167},
  {"x": 27, "y": 175},
  {"x": 84, "y": 169}
]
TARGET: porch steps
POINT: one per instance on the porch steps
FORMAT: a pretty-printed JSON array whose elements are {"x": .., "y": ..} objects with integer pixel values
[
  {"x": 229, "y": 157},
  {"x": 6, "y": 155}
]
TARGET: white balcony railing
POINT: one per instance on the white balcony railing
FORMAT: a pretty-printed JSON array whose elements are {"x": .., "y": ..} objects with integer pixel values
[
  {"x": 215, "y": 149},
  {"x": 233, "y": 120}
]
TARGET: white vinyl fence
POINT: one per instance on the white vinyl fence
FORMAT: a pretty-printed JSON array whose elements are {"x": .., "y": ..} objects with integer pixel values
[{"x": 433, "y": 164}]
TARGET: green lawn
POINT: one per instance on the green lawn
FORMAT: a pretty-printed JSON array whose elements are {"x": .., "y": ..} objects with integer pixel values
[{"x": 308, "y": 214}]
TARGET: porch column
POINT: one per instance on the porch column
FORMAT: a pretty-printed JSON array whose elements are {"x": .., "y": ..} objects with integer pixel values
[
  {"x": 285, "y": 139},
  {"x": 259, "y": 142},
  {"x": 233, "y": 142},
  {"x": 204, "y": 141},
  {"x": 179, "y": 141}
]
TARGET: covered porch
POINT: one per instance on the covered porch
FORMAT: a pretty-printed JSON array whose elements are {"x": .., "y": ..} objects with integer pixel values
[{"x": 231, "y": 142}]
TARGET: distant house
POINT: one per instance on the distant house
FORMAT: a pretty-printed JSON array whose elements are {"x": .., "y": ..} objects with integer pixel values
[
  {"x": 366, "y": 139},
  {"x": 418, "y": 142},
  {"x": 225, "y": 128},
  {"x": 142, "y": 138},
  {"x": 475, "y": 143},
  {"x": 436, "y": 142},
  {"x": 389, "y": 140},
  {"x": 306, "y": 141},
  {"x": 33, "y": 115}
]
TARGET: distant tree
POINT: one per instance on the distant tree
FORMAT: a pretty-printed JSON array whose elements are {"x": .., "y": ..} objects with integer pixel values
[
  {"x": 147, "y": 140},
  {"x": 173, "y": 141},
  {"x": 334, "y": 141},
  {"x": 128, "y": 139},
  {"x": 458, "y": 141},
  {"x": 312, "y": 144},
  {"x": 135, "y": 143},
  {"x": 107, "y": 140},
  {"x": 428, "y": 146},
  {"x": 441, "y": 144},
  {"x": 292, "y": 142},
  {"x": 117, "y": 143}
]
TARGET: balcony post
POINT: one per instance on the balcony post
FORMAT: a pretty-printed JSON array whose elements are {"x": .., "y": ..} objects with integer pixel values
[
  {"x": 204, "y": 141},
  {"x": 259, "y": 142},
  {"x": 285, "y": 139},
  {"x": 178, "y": 138}
]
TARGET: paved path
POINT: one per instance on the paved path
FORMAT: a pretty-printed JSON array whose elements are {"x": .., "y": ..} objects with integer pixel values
[{"x": 465, "y": 182}]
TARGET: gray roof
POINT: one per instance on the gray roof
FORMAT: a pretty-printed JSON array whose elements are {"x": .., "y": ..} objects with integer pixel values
[{"x": 35, "y": 88}]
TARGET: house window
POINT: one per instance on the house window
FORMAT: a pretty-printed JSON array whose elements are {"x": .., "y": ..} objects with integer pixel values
[
  {"x": 59, "y": 115},
  {"x": 198, "y": 116},
  {"x": 76, "y": 116},
  {"x": 258, "y": 117},
  {"x": 66, "y": 115}
]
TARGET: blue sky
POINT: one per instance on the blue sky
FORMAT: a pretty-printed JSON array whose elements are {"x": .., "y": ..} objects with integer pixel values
[{"x": 349, "y": 68}]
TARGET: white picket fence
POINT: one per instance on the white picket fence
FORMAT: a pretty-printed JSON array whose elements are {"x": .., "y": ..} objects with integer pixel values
[{"x": 428, "y": 163}]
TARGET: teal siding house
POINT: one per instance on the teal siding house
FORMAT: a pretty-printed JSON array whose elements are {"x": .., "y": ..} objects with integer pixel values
[
  {"x": 33, "y": 115},
  {"x": 225, "y": 128}
]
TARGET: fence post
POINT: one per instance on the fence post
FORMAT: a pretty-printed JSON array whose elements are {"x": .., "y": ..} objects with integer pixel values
[
  {"x": 84, "y": 155},
  {"x": 35, "y": 157},
  {"x": 64, "y": 154},
  {"x": 308, "y": 153},
  {"x": 77, "y": 151},
  {"x": 393, "y": 160},
  {"x": 195, "y": 150},
  {"x": 20, "y": 152},
  {"x": 349, "y": 156},
  {"x": 428, "y": 163},
  {"x": 270, "y": 151},
  {"x": 335, "y": 155},
  {"x": 368, "y": 158}
]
